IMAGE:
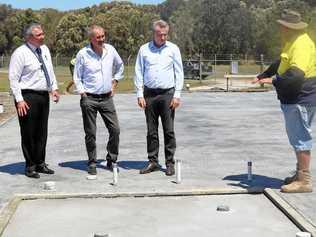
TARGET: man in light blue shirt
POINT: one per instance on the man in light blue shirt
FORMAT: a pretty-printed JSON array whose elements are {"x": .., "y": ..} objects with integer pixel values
[
  {"x": 97, "y": 71},
  {"x": 159, "y": 81}
]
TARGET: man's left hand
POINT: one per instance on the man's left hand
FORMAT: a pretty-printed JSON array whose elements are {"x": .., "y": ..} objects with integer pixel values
[
  {"x": 175, "y": 102},
  {"x": 56, "y": 96}
]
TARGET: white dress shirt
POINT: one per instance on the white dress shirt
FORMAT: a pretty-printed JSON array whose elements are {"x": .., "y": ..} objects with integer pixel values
[
  {"x": 93, "y": 73},
  {"x": 25, "y": 71},
  {"x": 159, "y": 68}
]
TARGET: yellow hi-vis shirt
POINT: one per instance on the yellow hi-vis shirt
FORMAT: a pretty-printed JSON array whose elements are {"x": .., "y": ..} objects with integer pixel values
[{"x": 300, "y": 53}]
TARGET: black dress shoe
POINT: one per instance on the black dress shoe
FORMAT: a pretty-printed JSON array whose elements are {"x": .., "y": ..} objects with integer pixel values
[
  {"x": 170, "y": 170},
  {"x": 32, "y": 174},
  {"x": 92, "y": 169},
  {"x": 151, "y": 166},
  {"x": 44, "y": 169}
]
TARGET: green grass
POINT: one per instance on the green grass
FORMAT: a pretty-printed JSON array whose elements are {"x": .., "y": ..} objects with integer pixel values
[{"x": 63, "y": 77}]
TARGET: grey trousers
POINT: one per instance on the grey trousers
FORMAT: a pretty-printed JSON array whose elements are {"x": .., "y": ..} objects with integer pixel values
[
  {"x": 158, "y": 105},
  {"x": 105, "y": 106}
]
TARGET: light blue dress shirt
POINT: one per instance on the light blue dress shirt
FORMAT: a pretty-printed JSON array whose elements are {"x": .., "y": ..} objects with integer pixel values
[
  {"x": 159, "y": 68},
  {"x": 93, "y": 73}
]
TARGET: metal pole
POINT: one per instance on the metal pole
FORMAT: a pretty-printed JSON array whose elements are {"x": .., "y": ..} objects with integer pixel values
[{"x": 249, "y": 176}]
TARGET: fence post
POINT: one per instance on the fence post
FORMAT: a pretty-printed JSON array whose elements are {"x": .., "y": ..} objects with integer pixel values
[
  {"x": 261, "y": 63},
  {"x": 261, "y": 67},
  {"x": 56, "y": 60},
  {"x": 2, "y": 61},
  {"x": 215, "y": 67},
  {"x": 128, "y": 68},
  {"x": 200, "y": 67}
]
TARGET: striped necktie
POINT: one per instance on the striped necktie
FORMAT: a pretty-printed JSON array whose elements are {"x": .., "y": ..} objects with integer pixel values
[{"x": 43, "y": 67}]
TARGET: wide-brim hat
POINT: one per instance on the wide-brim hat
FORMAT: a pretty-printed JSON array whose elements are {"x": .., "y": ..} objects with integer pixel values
[{"x": 292, "y": 20}]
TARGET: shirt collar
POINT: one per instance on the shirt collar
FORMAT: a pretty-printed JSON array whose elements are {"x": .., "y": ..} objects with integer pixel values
[
  {"x": 152, "y": 46},
  {"x": 31, "y": 46},
  {"x": 89, "y": 49}
]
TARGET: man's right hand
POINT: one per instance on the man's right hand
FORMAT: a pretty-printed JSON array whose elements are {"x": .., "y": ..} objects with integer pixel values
[
  {"x": 255, "y": 80},
  {"x": 22, "y": 108},
  {"x": 141, "y": 102}
]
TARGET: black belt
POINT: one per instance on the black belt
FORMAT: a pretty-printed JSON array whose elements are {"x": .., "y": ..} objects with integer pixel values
[
  {"x": 106, "y": 95},
  {"x": 26, "y": 91},
  {"x": 157, "y": 91}
]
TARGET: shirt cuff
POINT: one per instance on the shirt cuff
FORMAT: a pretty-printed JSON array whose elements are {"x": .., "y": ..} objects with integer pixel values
[
  {"x": 54, "y": 87},
  {"x": 140, "y": 93},
  {"x": 177, "y": 94},
  {"x": 18, "y": 98}
]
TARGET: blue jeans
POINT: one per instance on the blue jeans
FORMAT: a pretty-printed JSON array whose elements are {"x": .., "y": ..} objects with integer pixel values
[{"x": 298, "y": 120}]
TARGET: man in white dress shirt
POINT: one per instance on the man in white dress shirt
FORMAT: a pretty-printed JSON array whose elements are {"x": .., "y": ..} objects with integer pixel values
[
  {"x": 97, "y": 71},
  {"x": 31, "y": 78}
]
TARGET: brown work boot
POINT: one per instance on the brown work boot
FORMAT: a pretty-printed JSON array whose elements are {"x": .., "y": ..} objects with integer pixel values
[
  {"x": 291, "y": 179},
  {"x": 303, "y": 183}
]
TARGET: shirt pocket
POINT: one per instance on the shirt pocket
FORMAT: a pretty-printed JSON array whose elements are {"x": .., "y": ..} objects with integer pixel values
[
  {"x": 32, "y": 67},
  {"x": 151, "y": 59},
  {"x": 92, "y": 67}
]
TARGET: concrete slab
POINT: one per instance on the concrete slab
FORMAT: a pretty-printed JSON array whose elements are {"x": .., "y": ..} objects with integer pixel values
[
  {"x": 217, "y": 133},
  {"x": 151, "y": 216}
]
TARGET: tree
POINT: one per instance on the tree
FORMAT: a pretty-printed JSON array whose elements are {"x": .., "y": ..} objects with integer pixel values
[
  {"x": 49, "y": 19},
  {"x": 16, "y": 24},
  {"x": 5, "y": 11},
  {"x": 71, "y": 34}
]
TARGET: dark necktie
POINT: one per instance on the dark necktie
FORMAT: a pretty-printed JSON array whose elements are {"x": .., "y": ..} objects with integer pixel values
[{"x": 43, "y": 67}]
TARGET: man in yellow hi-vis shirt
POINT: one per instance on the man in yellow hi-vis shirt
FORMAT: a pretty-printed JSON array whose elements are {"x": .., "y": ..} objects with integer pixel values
[{"x": 294, "y": 77}]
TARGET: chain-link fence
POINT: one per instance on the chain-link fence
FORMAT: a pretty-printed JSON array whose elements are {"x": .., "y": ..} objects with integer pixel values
[
  {"x": 216, "y": 59},
  {"x": 210, "y": 71}
]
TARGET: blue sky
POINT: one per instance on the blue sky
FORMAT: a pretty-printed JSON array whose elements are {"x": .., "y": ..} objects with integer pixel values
[{"x": 64, "y": 4}]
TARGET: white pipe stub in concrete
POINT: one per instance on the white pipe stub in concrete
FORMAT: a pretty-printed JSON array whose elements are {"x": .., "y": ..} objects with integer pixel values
[
  {"x": 303, "y": 234},
  {"x": 91, "y": 177},
  {"x": 50, "y": 186},
  {"x": 101, "y": 235},
  {"x": 223, "y": 208}
]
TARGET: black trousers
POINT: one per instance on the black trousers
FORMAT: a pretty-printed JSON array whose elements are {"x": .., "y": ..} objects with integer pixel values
[
  {"x": 104, "y": 105},
  {"x": 33, "y": 128},
  {"x": 158, "y": 105}
]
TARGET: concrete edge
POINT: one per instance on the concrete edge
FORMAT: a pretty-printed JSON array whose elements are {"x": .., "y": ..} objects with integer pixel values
[
  {"x": 8, "y": 119},
  {"x": 7, "y": 213},
  {"x": 299, "y": 220},
  {"x": 194, "y": 192}
]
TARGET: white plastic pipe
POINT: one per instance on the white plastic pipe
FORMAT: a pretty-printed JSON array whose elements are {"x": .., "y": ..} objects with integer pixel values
[
  {"x": 178, "y": 170},
  {"x": 115, "y": 175},
  {"x": 303, "y": 234}
]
